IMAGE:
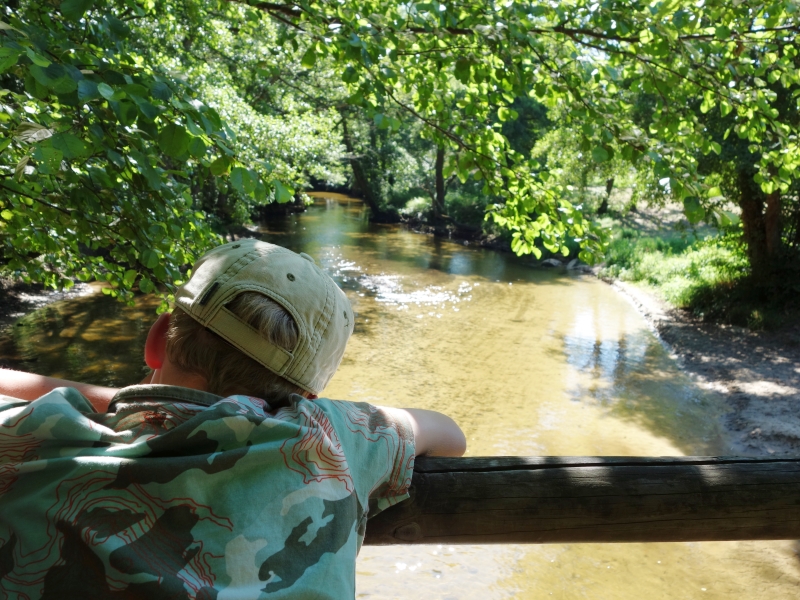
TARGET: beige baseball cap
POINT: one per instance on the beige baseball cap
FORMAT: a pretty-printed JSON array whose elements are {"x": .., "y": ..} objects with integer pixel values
[{"x": 320, "y": 309}]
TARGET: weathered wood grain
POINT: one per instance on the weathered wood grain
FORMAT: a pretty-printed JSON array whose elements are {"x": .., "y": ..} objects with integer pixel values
[{"x": 540, "y": 500}]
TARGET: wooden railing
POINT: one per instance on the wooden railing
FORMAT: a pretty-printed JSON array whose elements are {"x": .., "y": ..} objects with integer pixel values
[{"x": 540, "y": 500}]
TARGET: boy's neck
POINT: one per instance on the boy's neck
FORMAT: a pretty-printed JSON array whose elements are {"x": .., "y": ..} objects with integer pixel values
[{"x": 170, "y": 375}]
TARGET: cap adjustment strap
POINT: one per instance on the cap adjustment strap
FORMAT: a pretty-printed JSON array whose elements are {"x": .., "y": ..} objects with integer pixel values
[{"x": 248, "y": 340}]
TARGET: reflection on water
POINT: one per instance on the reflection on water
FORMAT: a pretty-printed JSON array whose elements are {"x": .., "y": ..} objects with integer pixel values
[
  {"x": 92, "y": 339},
  {"x": 527, "y": 361}
]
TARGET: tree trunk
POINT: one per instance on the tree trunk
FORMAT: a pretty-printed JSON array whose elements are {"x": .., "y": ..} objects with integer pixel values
[
  {"x": 438, "y": 201},
  {"x": 603, "y": 209},
  {"x": 796, "y": 240},
  {"x": 751, "y": 201},
  {"x": 772, "y": 224},
  {"x": 362, "y": 181}
]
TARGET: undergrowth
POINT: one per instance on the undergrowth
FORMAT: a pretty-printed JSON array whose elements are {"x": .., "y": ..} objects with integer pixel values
[{"x": 710, "y": 277}]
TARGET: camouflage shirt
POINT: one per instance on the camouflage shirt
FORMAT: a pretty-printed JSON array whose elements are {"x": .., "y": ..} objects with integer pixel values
[{"x": 176, "y": 493}]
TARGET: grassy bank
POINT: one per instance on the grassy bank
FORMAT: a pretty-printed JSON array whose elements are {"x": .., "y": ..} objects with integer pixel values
[{"x": 704, "y": 272}]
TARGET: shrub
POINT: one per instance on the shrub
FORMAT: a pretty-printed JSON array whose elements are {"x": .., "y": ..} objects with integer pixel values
[{"x": 417, "y": 208}]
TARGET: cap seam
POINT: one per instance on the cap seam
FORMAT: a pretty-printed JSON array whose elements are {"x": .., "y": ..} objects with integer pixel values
[
  {"x": 328, "y": 308},
  {"x": 229, "y": 274}
]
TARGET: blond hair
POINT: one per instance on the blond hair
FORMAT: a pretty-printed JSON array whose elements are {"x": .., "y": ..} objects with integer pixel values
[{"x": 227, "y": 371}]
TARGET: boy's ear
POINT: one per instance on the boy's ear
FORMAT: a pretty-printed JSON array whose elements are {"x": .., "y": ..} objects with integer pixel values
[{"x": 155, "y": 348}]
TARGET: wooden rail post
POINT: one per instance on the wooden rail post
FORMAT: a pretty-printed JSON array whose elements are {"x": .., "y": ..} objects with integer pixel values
[{"x": 539, "y": 500}]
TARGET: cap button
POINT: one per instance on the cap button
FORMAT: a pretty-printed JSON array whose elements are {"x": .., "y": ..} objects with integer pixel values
[{"x": 307, "y": 257}]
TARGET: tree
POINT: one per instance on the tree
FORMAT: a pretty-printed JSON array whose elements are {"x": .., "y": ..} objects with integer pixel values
[
  {"x": 589, "y": 60},
  {"x": 103, "y": 143},
  {"x": 97, "y": 152},
  {"x": 111, "y": 139}
]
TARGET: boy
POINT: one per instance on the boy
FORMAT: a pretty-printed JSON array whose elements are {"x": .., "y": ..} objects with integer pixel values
[{"x": 224, "y": 476}]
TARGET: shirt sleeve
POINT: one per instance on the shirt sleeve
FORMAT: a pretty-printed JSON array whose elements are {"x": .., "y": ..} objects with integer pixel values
[{"x": 379, "y": 446}]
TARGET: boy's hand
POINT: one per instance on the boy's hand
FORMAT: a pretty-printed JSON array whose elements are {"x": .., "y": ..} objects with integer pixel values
[{"x": 436, "y": 434}]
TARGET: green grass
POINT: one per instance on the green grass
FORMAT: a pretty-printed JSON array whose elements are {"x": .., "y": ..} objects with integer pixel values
[
  {"x": 709, "y": 277},
  {"x": 678, "y": 268}
]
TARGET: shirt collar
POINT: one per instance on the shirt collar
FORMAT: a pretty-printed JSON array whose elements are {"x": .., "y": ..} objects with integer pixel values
[{"x": 164, "y": 392}]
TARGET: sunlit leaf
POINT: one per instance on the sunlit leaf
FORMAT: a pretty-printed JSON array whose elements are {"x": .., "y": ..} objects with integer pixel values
[{"x": 174, "y": 140}]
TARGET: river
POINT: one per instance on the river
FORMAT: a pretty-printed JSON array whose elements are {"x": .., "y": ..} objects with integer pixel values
[{"x": 528, "y": 361}]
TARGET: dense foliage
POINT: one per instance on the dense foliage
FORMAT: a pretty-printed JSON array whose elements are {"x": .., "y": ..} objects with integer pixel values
[
  {"x": 630, "y": 78},
  {"x": 109, "y": 154},
  {"x": 131, "y": 125}
]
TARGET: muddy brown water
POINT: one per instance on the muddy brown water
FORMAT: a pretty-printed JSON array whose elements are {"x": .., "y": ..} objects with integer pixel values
[{"x": 527, "y": 361}]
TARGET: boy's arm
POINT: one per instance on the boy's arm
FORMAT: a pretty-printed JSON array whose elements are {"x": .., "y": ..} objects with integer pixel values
[
  {"x": 436, "y": 434},
  {"x": 29, "y": 386}
]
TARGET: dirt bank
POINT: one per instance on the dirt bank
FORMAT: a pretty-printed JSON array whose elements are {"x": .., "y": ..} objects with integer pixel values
[{"x": 755, "y": 376}]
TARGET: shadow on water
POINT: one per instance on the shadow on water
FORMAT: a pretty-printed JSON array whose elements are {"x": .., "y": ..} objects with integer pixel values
[
  {"x": 92, "y": 339},
  {"x": 634, "y": 378}
]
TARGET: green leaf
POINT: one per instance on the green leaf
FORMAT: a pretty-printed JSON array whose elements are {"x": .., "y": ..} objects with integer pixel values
[
  {"x": 115, "y": 158},
  {"x": 74, "y": 9},
  {"x": 260, "y": 193},
  {"x": 87, "y": 90},
  {"x": 126, "y": 112},
  {"x": 599, "y": 154},
  {"x": 197, "y": 147},
  {"x": 350, "y": 75},
  {"x": 220, "y": 166},
  {"x": 149, "y": 259},
  {"x": 37, "y": 59},
  {"x": 161, "y": 91},
  {"x": 463, "y": 70},
  {"x": 118, "y": 27},
  {"x": 106, "y": 91},
  {"x": 7, "y": 214},
  {"x": 8, "y": 58},
  {"x": 693, "y": 209},
  {"x": 192, "y": 126},
  {"x": 249, "y": 181},
  {"x": 174, "y": 140},
  {"x": 49, "y": 160},
  {"x": 503, "y": 113},
  {"x": 146, "y": 169},
  {"x": 146, "y": 286},
  {"x": 237, "y": 177},
  {"x": 40, "y": 75},
  {"x": 722, "y": 32},
  {"x": 129, "y": 277},
  {"x": 134, "y": 89},
  {"x": 283, "y": 194},
  {"x": 309, "y": 58},
  {"x": 72, "y": 146}
]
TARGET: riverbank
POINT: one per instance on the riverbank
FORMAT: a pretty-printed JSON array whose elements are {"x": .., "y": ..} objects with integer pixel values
[
  {"x": 754, "y": 375},
  {"x": 18, "y": 299}
]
